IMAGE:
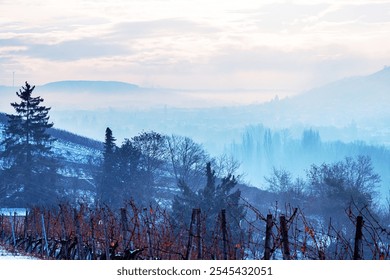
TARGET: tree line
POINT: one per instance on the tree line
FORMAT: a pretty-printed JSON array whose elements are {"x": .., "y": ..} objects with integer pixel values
[
  {"x": 146, "y": 168},
  {"x": 262, "y": 148}
]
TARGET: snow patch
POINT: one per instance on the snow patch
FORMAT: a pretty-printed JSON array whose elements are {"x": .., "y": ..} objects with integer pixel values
[{"x": 6, "y": 255}]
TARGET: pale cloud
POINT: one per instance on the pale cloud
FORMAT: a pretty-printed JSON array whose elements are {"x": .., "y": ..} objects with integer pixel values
[
  {"x": 194, "y": 44},
  {"x": 370, "y": 12},
  {"x": 161, "y": 27},
  {"x": 76, "y": 50}
]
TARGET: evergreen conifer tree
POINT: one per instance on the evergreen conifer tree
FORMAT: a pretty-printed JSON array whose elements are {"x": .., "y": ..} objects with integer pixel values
[
  {"x": 108, "y": 187},
  {"x": 29, "y": 166},
  {"x": 211, "y": 200}
]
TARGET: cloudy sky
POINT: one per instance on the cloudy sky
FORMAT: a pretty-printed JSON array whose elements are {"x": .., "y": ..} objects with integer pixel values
[{"x": 293, "y": 45}]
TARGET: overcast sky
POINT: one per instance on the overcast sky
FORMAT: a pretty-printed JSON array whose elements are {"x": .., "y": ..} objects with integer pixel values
[{"x": 293, "y": 45}]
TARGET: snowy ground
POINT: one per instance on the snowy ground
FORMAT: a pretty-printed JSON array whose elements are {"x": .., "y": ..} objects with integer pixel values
[{"x": 6, "y": 255}]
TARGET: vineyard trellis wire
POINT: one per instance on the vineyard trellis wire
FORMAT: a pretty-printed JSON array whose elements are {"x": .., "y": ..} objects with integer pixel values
[{"x": 97, "y": 233}]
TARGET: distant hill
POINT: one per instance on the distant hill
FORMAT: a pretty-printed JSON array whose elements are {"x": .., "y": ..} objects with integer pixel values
[
  {"x": 105, "y": 87},
  {"x": 356, "y": 99}
]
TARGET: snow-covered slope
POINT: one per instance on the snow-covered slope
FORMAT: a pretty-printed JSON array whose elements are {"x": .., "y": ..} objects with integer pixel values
[
  {"x": 78, "y": 157},
  {"x": 70, "y": 147}
]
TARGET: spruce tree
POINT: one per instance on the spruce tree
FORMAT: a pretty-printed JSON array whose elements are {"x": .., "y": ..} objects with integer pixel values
[
  {"x": 108, "y": 187},
  {"x": 28, "y": 163}
]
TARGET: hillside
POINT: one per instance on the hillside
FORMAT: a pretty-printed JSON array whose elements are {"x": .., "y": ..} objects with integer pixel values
[
  {"x": 361, "y": 99},
  {"x": 76, "y": 152},
  {"x": 64, "y": 136}
]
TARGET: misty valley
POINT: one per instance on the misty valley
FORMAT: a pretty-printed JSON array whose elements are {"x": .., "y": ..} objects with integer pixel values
[{"x": 292, "y": 177}]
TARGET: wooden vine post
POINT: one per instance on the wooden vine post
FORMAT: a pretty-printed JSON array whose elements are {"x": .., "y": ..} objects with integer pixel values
[
  {"x": 2, "y": 233},
  {"x": 12, "y": 220},
  {"x": 77, "y": 218},
  {"x": 125, "y": 228},
  {"x": 284, "y": 233},
  {"x": 268, "y": 233},
  {"x": 198, "y": 234},
  {"x": 106, "y": 238},
  {"x": 224, "y": 234},
  {"x": 195, "y": 219},
  {"x": 93, "y": 238},
  {"x": 190, "y": 235},
  {"x": 149, "y": 236},
  {"x": 64, "y": 237},
  {"x": 45, "y": 246},
  {"x": 357, "y": 254}
]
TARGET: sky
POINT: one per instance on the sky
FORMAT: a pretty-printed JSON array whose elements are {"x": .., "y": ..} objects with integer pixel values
[{"x": 200, "y": 44}]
